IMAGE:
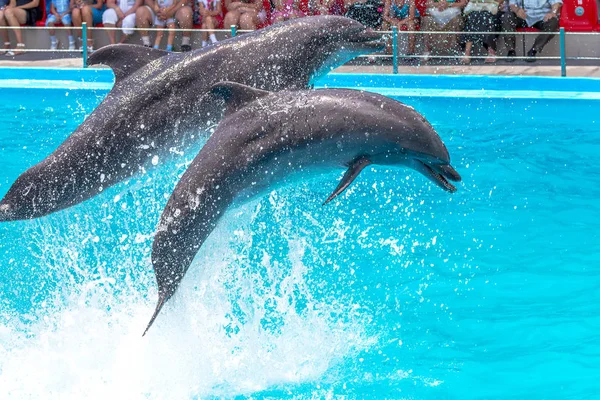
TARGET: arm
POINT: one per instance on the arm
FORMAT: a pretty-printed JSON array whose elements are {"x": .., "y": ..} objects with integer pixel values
[
  {"x": 459, "y": 4},
  {"x": 203, "y": 11},
  {"x": 53, "y": 10},
  {"x": 31, "y": 4},
  {"x": 132, "y": 10},
  {"x": 386, "y": 12},
  {"x": 218, "y": 11},
  {"x": 169, "y": 12},
  {"x": 99, "y": 4}
]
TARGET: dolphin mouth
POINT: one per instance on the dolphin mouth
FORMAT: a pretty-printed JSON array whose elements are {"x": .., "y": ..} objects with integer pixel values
[
  {"x": 441, "y": 174},
  {"x": 369, "y": 39}
]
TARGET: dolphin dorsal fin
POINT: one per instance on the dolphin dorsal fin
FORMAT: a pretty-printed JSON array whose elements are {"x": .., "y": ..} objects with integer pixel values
[
  {"x": 236, "y": 95},
  {"x": 124, "y": 59}
]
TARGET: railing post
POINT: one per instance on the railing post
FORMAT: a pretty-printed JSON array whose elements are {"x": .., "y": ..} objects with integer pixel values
[
  {"x": 84, "y": 43},
  {"x": 233, "y": 30},
  {"x": 395, "y": 48},
  {"x": 563, "y": 58}
]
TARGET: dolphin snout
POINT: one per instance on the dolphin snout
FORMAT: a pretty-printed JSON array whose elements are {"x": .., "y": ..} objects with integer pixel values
[
  {"x": 440, "y": 174},
  {"x": 369, "y": 39}
]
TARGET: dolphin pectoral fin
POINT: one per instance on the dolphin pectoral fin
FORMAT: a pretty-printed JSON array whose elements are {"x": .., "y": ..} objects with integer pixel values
[
  {"x": 124, "y": 59},
  {"x": 354, "y": 169},
  {"x": 236, "y": 95}
]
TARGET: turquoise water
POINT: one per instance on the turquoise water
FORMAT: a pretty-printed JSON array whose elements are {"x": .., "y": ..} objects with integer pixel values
[{"x": 396, "y": 290}]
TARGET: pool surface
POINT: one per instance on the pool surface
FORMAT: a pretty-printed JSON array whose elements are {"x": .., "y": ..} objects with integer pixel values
[{"x": 396, "y": 289}]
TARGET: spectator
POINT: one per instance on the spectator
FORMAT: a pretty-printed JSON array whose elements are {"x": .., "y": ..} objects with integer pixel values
[
  {"x": 122, "y": 15},
  {"x": 402, "y": 14},
  {"x": 17, "y": 13},
  {"x": 90, "y": 12},
  {"x": 211, "y": 17},
  {"x": 4, "y": 32},
  {"x": 540, "y": 14},
  {"x": 442, "y": 16},
  {"x": 243, "y": 14},
  {"x": 181, "y": 12},
  {"x": 60, "y": 12},
  {"x": 284, "y": 10},
  {"x": 367, "y": 12},
  {"x": 481, "y": 16},
  {"x": 161, "y": 12}
]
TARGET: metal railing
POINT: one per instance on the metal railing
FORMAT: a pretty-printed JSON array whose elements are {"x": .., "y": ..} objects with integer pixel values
[{"x": 394, "y": 33}]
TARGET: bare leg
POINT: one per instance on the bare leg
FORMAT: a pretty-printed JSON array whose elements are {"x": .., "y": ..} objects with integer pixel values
[
  {"x": 171, "y": 37},
  {"x": 4, "y": 32},
  {"x": 159, "y": 36},
  {"x": 111, "y": 33},
  {"x": 77, "y": 20},
  {"x": 16, "y": 17},
  {"x": 248, "y": 21},
  {"x": 467, "y": 58},
  {"x": 88, "y": 18}
]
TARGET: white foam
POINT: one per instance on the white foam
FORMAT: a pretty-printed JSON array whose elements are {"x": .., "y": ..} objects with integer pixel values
[{"x": 217, "y": 337}]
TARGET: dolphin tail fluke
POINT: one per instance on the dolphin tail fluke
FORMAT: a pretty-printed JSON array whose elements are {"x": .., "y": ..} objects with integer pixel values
[
  {"x": 353, "y": 170},
  {"x": 162, "y": 299}
]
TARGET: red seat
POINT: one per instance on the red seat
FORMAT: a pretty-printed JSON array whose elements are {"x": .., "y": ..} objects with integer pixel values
[{"x": 579, "y": 16}]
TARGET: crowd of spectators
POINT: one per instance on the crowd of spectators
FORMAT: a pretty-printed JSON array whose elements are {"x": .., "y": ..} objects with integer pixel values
[{"x": 470, "y": 17}]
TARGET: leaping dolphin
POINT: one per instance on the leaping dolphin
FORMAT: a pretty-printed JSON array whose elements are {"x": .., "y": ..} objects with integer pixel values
[
  {"x": 265, "y": 137},
  {"x": 158, "y": 103}
]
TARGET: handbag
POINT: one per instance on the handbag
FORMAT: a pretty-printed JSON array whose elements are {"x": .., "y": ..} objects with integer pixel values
[
  {"x": 444, "y": 16},
  {"x": 490, "y": 6}
]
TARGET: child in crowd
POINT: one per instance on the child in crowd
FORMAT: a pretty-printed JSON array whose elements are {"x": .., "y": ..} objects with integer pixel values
[
  {"x": 211, "y": 12},
  {"x": 159, "y": 21},
  {"x": 60, "y": 12}
]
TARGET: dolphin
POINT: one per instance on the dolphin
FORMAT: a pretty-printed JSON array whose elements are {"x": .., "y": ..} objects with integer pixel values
[
  {"x": 158, "y": 106},
  {"x": 265, "y": 138}
]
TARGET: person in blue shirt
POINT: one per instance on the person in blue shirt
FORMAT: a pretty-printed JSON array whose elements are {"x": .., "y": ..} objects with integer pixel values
[
  {"x": 540, "y": 14},
  {"x": 60, "y": 12}
]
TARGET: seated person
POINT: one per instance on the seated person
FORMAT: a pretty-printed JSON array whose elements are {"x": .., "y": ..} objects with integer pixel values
[
  {"x": 481, "y": 16},
  {"x": 162, "y": 19},
  {"x": 367, "y": 12},
  {"x": 4, "y": 32},
  {"x": 211, "y": 17},
  {"x": 181, "y": 12},
  {"x": 442, "y": 16},
  {"x": 540, "y": 14},
  {"x": 60, "y": 12},
  {"x": 284, "y": 10},
  {"x": 243, "y": 14},
  {"x": 90, "y": 12},
  {"x": 17, "y": 13},
  {"x": 402, "y": 14},
  {"x": 122, "y": 15}
]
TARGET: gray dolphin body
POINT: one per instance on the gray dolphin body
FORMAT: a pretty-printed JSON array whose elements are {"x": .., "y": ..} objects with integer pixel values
[
  {"x": 158, "y": 103},
  {"x": 266, "y": 137}
]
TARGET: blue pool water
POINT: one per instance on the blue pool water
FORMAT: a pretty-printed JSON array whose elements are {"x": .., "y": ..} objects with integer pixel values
[{"x": 396, "y": 290}]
